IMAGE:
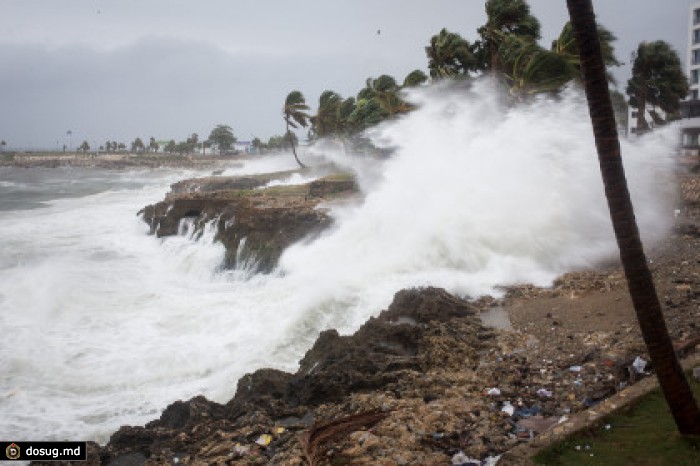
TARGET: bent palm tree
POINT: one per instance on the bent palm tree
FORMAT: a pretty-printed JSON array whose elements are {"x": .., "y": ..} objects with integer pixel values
[
  {"x": 504, "y": 18},
  {"x": 294, "y": 112},
  {"x": 673, "y": 383},
  {"x": 449, "y": 55},
  {"x": 657, "y": 79}
]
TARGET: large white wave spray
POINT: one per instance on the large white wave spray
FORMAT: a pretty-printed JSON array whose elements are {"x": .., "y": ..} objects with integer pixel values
[
  {"x": 478, "y": 196},
  {"x": 103, "y": 325}
]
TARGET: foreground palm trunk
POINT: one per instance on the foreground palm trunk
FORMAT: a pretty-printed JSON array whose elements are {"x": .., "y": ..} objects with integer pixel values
[{"x": 673, "y": 383}]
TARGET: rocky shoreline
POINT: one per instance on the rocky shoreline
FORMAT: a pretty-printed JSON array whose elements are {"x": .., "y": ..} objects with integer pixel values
[
  {"x": 426, "y": 382},
  {"x": 118, "y": 161},
  {"x": 254, "y": 225}
]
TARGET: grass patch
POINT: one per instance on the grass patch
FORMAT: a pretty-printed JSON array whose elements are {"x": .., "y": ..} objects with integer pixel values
[
  {"x": 341, "y": 176},
  {"x": 642, "y": 435}
]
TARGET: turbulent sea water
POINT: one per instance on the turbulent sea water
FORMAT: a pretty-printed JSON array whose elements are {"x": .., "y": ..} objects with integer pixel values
[{"x": 103, "y": 325}]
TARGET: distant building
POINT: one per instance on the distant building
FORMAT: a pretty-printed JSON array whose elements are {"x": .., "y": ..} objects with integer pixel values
[
  {"x": 690, "y": 109},
  {"x": 244, "y": 146}
]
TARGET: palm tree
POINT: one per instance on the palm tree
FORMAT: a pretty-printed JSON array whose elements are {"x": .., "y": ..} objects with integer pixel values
[
  {"x": 565, "y": 45},
  {"x": 414, "y": 78},
  {"x": 384, "y": 90},
  {"x": 153, "y": 144},
  {"x": 657, "y": 79},
  {"x": 222, "y": 136},
  {"x": 170, "y": 146},
  {"x": 70, "y": 139},
  {"x": 137, "y": 145},
  {"x": 294, "y": 113},
  {"x": 673, "y": 383},
  {"x": 2, "y": 145},
  {"x": 326, "y": 123},
  {"x": 345, "y": 111},
  {"x": 529, "y": 69},
  {"x": 505, "y": 17},
  {"x": 449, "y": 55}
]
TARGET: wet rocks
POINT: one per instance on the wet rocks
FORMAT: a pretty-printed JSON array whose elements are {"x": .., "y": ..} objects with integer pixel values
[
  {"x": 254, "y": 225},
  {"x": 393, "y": 362}
]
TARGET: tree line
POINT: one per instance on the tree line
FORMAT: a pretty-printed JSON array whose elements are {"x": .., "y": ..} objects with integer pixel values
[{"x": 506, "y": 50}]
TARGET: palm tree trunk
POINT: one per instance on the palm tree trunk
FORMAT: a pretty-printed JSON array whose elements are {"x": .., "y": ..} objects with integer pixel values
[
  {"x": 673, "y": 383},
  {"x": 642, "y": 125},
  {"x": 291, "y": 143}
]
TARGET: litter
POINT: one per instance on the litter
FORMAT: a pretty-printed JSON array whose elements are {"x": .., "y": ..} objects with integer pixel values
[
  {"x": 639, "y": 364},
  {"x": 544, "y": 393},
  {"x": 493, "y": 391},
  {"x": 241, "y": 450},
  {"x": 264, "y": 440},
  {"x": 508, "y": 408},
  {"x": 575, "y": 368},
  {"x": 460, "y": 459},
  {"x": 527, "y": 412}
]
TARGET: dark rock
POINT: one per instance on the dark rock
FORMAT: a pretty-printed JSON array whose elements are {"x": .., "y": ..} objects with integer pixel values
[
  {"x": 255, "y": 226},
  {"x": 129, "y": 459},
  {"x": 132, "y": 438},
  {"x": 264, "y": 389},
  {"x": 387, "y": 353},
  {"x": 253, "y": 234},
  {"x": 181, "y": 413}
]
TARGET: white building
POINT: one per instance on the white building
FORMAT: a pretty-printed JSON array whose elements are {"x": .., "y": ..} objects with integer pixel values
[{"x": 690, "y": 109}]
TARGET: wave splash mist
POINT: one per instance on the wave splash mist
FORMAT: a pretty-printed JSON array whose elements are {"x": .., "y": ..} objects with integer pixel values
[{"x": 478, "y": 195}]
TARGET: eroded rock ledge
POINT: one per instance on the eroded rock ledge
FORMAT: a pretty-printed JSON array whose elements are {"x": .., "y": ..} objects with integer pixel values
[{"x": 255, "y": 225}]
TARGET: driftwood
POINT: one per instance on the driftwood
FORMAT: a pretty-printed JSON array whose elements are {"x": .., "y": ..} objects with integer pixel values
[{"x": 314, "y": 442}]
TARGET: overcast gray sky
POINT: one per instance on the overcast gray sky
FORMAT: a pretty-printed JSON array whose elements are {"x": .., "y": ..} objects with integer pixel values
[{"x": 118, "y": 69}]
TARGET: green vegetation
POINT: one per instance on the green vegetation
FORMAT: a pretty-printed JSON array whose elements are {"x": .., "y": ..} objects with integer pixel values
[
  {"x": 294, "y": 113},
  {"x": 153, "y": 145},
  {"x": 644, "y": 434},
  {"x": 223, "y": 137},
  {"x": 657, "y": 81},
  {"x": 137, "y": 146}
]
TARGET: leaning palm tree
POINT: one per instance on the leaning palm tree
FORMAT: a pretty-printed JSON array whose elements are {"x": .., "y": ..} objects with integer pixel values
[
  {"x": 504, "y": 18},
  {"x": 657, "y": 79},
  {"x": 673, "y": 383},
  {"x": 449, "y": 55},
  {"x": 294, "y": 113},
  {"x": 532, "y": 69},
  {"x": 325, "y": 123},
  {"x": 565, "y": 46}
]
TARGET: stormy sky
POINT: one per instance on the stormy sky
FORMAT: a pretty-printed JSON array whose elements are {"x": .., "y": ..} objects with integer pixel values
[{"x": 118, "y": 69}]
